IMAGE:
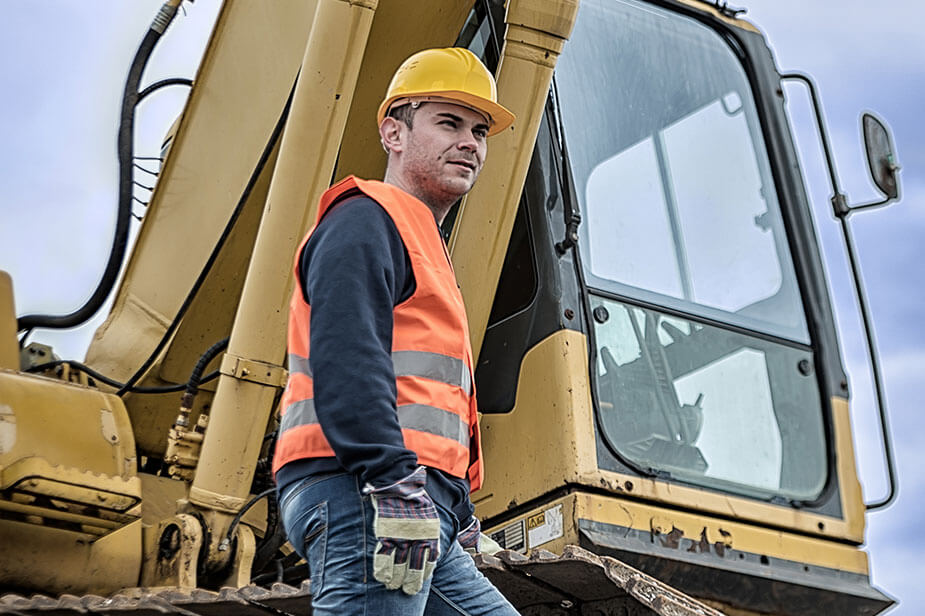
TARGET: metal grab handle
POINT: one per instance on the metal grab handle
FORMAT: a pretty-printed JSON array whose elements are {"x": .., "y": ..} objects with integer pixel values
[{"x": 842, "y": 212}]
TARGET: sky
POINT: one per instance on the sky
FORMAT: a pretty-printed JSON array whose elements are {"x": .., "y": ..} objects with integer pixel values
[
  {"x": 64, "y": 67},
  {"x": 864, "y": 58}
]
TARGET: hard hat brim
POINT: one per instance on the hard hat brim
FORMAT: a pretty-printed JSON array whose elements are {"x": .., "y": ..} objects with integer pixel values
[{"x": 500, "y": 117}]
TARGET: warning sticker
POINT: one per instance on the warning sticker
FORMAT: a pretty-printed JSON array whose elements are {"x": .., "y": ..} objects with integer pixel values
[
  {"x": 511, "y": 537},
  {"x": 545, "y": 526}
]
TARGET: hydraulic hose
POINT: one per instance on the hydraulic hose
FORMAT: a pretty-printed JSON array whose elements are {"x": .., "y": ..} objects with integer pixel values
[
  {"x": 102, "y": 378},
  {"x": 192, "y": 385},
  {"x": 130, "y": 99}
]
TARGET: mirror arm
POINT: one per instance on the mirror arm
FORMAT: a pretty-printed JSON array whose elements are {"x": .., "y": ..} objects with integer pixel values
[
  {"x": 842, "y": 211},
  {"x": 839, "y": 199},
  {"x": 869, "y": 206}
]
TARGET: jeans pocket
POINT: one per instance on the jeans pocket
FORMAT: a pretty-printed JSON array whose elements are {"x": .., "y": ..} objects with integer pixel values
[{"x": 315, "y": 543}]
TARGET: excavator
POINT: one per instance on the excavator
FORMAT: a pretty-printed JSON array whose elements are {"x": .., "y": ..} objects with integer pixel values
[{"x": 664, "y": 408}]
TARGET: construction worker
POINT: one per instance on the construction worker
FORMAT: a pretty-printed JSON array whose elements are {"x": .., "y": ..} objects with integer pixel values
[{"x": 379, "y": 440}]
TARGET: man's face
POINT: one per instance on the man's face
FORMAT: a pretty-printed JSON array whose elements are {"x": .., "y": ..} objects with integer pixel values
[{"x": 443, "y": 153}]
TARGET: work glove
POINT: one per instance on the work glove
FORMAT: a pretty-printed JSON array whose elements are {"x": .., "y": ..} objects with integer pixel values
[
  {"x": 475, "y": 542},
  {"x": 408, "y": 532}
]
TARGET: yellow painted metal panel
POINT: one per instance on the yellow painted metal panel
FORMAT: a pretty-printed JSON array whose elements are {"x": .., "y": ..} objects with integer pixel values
[
  {"x": 852, "y": 500},
  {"x": 658, "y": 522},
  {"x": 750, "y": 538},
  {"x": 550, "y": 428},
  {"x": 9, "y": 347},
  {"x": 67, "y": 431},
  {"x": 54, "y": 560},
  {"x": 71, "y": 496}
]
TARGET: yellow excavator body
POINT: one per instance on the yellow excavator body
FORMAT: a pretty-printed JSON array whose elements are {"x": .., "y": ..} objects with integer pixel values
[{"x": 115, "y": 495}]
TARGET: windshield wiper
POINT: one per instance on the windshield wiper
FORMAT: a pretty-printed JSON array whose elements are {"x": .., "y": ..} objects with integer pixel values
[{"x": 566, "y": 178}]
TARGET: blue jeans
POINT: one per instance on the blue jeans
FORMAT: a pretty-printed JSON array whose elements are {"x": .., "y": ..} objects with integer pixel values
[{"x": 329, "y": 522}]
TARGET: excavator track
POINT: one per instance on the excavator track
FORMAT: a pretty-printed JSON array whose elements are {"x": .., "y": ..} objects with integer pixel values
[{"x": 575, "y": 582}]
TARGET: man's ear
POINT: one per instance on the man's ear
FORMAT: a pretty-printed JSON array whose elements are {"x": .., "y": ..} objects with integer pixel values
[{"x": 390, "y": 134}]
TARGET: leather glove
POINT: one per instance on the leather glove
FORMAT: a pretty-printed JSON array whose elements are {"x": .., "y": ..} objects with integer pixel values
[
  {"x": 408, "y": 531},
  {"x": 475, "y": 542}
]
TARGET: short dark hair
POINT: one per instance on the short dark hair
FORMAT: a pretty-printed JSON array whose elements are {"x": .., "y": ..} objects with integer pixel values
[{"x": 404, "y": 113}]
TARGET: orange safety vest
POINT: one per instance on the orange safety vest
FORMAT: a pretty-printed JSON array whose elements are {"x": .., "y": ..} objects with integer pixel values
[{"x": 431, "y": 352}]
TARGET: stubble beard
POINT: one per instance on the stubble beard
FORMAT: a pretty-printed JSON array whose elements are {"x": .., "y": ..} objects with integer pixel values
[{"x": 439, "y": 191}]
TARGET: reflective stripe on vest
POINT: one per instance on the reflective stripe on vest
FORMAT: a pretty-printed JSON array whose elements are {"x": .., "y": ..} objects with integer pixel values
[
  {"x": 433, "y": 366},
  {"x": 420, "y": 417}
]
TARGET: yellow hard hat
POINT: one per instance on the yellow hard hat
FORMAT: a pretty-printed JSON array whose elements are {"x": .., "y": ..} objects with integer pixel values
[{"x": 453, "y": 74}]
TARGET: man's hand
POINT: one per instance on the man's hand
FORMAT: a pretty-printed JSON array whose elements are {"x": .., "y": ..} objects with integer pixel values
[
  {"x": 474, "y": 542},
  {"x": 408, "y": 529}
]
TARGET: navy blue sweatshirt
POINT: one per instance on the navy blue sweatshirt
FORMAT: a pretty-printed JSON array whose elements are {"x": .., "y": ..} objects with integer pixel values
[{"x": 354, "y": 270}]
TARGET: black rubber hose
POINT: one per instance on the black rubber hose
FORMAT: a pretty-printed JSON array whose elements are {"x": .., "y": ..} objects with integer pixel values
[
  {"x": 237, "y": 518},
  {"x": 102, "y": 378},
  {"x": 163, "y": 83},
  {"x": 126, "y": 140},
  {"x": 192, "y": 385},
  {"x": 273, "y": 538}
]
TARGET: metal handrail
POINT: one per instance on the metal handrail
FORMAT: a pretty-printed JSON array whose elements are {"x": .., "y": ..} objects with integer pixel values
[{"x": 842, "y": 212}]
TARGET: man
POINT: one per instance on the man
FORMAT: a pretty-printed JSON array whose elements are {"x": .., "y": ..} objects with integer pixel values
[{"x": 379, "y": 442}]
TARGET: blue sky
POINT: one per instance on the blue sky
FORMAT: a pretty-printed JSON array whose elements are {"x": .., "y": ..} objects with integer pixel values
[{"x": 63, "y": 71}]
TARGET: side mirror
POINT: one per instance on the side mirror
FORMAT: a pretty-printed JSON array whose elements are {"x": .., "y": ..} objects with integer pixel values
[{"x": 881, "y": 160}]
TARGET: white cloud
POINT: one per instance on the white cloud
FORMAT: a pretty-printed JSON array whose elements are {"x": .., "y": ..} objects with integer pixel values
[{"x": 818, "y": 34}]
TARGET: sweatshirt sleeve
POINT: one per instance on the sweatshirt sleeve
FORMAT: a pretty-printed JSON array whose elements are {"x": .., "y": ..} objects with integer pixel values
[{"x": 354, "y": 270}]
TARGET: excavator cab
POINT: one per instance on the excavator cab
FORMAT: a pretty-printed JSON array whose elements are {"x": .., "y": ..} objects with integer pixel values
[
  {"x": 693, "y": 296},
  {"x": 682, "y": 219}
]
